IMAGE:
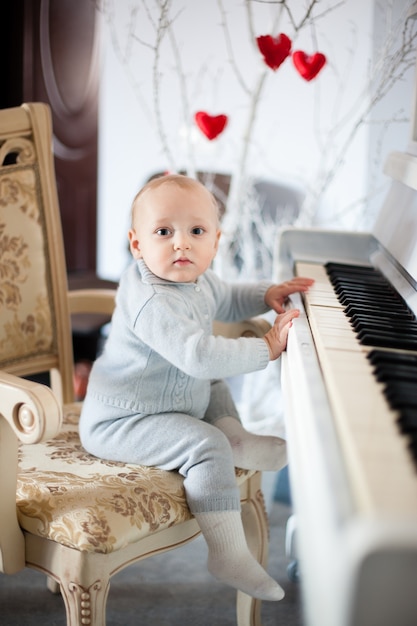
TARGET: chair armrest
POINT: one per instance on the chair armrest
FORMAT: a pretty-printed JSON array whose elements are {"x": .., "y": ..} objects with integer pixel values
[
  {"x": 253, "y": 327},
  {"x": 29, "y": 412},
  {"x": 31, "y": 409},
  {"x": 92, "y": 301}
]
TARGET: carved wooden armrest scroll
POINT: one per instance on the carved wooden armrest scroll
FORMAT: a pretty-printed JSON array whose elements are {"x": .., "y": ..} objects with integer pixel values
[{"x": 31, "y": 409}]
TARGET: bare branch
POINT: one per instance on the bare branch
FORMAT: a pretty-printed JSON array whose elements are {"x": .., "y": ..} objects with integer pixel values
[
  {"x": 185, "y": 108},
  {"x": 163, "y": 25},
  {"x": 232, "y": 59}
]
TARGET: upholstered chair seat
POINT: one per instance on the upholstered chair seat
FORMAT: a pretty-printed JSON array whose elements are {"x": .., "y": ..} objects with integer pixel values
[{"x": 73, "y": 498}]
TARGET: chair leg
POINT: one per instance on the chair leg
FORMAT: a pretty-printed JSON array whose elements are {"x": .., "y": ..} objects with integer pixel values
[
  {"x": 255, "y": 523},
  {"x": 83, "y": 577},
  {"x": 85, "y": 604},
  {"x": 52, "y": 585}
]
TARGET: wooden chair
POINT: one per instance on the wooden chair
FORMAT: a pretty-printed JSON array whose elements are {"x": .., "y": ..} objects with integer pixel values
[{"x": 64, "y": 512}]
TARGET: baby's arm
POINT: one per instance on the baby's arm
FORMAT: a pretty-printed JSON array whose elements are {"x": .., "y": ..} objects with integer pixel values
[
  {"x": 276, "y": 296},
  {"x": 276, "y": 338}
]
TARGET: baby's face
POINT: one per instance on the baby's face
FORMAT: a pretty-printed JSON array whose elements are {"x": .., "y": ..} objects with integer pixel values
[{"x": 176, "y": 232}]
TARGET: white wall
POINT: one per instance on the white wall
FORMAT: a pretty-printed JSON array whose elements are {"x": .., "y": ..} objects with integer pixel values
[{"x": 292, "y": 115}]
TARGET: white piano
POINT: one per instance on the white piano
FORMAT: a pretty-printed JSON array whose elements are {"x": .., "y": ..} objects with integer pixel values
[{"x": 349, "y": 382}]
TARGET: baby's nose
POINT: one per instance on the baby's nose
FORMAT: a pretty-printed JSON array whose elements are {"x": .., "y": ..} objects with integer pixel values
[{"x": 181, "y": 241}]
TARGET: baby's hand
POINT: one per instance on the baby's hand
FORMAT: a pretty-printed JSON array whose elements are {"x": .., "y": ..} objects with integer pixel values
[
  {"x": 276, "y": 338},
  {"x": 276, "y": 296}
]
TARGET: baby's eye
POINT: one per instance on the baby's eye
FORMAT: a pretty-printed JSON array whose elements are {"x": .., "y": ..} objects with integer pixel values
[
  {"x": 163, "y": 232},
  {"x": 197, "y": 230}
]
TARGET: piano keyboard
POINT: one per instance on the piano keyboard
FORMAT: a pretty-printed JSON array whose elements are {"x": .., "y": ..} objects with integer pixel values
[{"x": 366, "y": 341}]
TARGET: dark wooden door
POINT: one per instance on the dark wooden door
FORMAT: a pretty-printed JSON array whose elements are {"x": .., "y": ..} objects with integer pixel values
[{"x": 50, "y": 53}]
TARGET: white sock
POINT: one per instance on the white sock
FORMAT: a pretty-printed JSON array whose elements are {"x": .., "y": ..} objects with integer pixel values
[
  {"x": 250, "y": 451},
  {"x": 229, "y": 558}
]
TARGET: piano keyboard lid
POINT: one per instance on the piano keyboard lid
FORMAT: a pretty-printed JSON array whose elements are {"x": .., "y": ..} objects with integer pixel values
[{"x": 396, "y": 225}]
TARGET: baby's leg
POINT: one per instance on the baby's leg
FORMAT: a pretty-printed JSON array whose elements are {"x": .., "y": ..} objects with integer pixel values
[
  {"x": 250, "y": 451},
  {"x": 230, "y": 559},
  {"x": 202, "y": 454}
]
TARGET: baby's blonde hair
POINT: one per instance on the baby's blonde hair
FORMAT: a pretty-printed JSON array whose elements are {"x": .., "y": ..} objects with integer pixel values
[{"x": 185, "y": 182}]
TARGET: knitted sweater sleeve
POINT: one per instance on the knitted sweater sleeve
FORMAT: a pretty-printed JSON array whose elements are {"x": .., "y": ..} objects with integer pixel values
[
  {"x": 237, "y": 301},
  {"x": 166, "y": 327}
]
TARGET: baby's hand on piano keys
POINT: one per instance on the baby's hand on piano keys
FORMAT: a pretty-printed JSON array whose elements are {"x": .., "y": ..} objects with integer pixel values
[
  {"x": 276, "y": 296},
  {"x": 276, "y": 338}
]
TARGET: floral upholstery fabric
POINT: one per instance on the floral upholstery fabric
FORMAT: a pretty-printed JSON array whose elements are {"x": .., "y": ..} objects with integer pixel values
[
  {"x": 26, "y": 327},
  {"x": 73, "y": 498}
]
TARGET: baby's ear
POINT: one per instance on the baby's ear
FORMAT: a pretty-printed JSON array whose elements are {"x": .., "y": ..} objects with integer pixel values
[
  {"x": 218, "y": 235},
  {"x": 134, "y": 244}
]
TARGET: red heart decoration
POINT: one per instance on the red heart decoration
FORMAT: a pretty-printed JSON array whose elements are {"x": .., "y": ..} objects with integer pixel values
[
  {"x": 211, "y": 125},
  {"x": 308, "y": 66},
  {"x": 274, "y": 49}
]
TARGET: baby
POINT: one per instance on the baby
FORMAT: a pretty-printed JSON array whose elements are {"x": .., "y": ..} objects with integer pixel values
[{"x": 156, "y": 396}]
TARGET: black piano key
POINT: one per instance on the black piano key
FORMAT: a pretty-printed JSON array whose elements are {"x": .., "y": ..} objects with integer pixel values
[
  {"x": 370, "y": 299},
  {"x": 408, "y": 425},
  {"x": 364, "y": 287},
  {"x": 412, "y": 446},
  {"x": 386, "y": 373},
  {"x": 351, "y": 270},
  {"x": 373, "y": 282},
  {"x": 386, "y": 321},
  {"x": 388, "y": 341},
  {"x": 362, "y": 300},
  {"x": 380, "y": 293},
  {"x": 402, "y": 394},
  {"x": 360, "y": 327},
  {"x": 378, "y": 304},
  {"x": 408, "y": 419},
  {"x": 381, "y": 357},
  {"x": 349, "y": 282},
  {"x": 391, "y": 334},
  {"x": 374, "y": 310},
  {"x": 369, "y": 291},
  {"x": 373, "y": 314}
]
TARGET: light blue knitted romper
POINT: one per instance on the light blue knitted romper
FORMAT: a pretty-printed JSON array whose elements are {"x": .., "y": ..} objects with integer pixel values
[{"x": 156, "y": 391}]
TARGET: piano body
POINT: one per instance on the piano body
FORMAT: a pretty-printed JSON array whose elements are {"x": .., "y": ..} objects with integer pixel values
[{"x": 349, "y": 383}]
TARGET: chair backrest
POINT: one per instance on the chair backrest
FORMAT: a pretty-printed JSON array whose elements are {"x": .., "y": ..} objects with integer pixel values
[{"x": 35, "y": 335}]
